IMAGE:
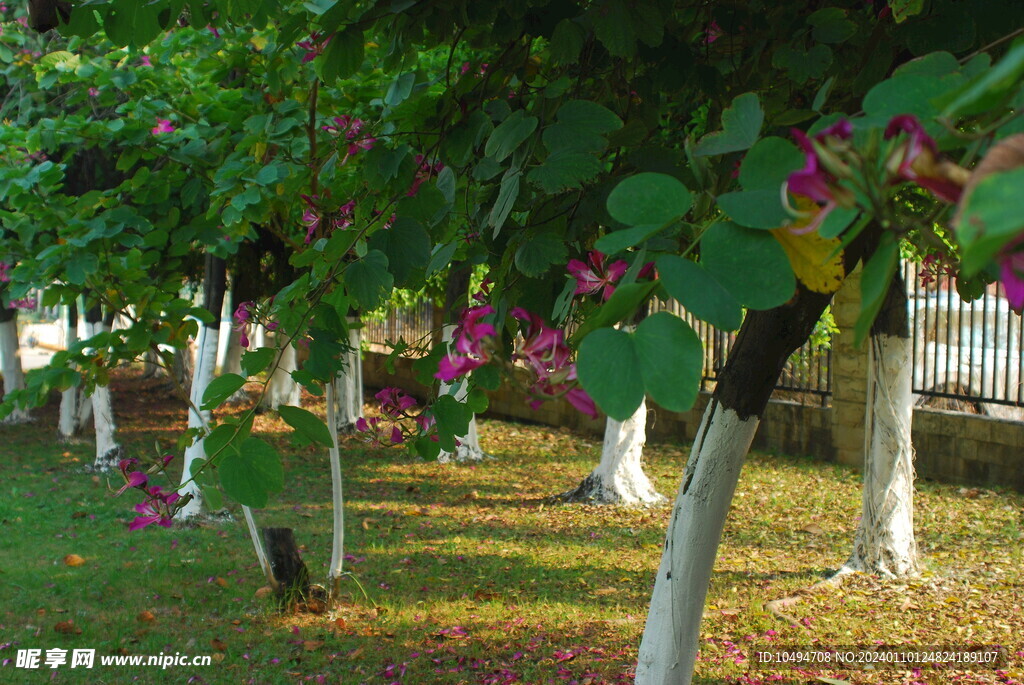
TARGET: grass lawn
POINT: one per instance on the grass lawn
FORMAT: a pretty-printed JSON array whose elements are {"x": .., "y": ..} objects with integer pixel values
[{"x": 472, "y": 576}]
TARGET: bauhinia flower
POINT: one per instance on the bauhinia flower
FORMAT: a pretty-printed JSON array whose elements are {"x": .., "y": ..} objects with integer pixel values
[
  {"x": 314, "y": 46},
  {"x": 917, "y": 160},
  {"x": 814, "y": 181},
  {"x": 1011, "y": 273},
  {"x": 242, "y": 318},
  {"x": 546, "y": 353},
  {"x": 162, "y": 126},
  {"x": 394, "y": 403},
  {"x": 594, "y": 277},
  {"x": 376, "y": 433},
  {"x": 158, "y": 509},
  {"x": 471, "y": 338},
  {"x": 5, "y": 269}
]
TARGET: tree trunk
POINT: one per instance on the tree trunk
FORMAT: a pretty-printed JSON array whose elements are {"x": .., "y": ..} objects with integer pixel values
[
  {"x": 206, "y": 359},
  {"x": 884, "y": 542},
  {"x": 233, "y": 364},
  {"x": 668, "y": 650},
  {"x": 10, "y": 360},
  {"x": 108, "y": 452},
  {"x": 286, "y": 563},
  {"x": 334, "y": 571},
  {"x": 348, "y": 385},
  {"x": 67, "y": 423},
  {"x": 620, "y": 477},
  {"x": 282, "y": 388}
]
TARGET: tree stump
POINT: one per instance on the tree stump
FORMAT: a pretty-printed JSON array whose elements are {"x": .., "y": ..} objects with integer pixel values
[{"x": 289, "y": 569}]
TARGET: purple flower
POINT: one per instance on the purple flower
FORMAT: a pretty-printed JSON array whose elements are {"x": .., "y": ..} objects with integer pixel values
[
  {"x": 146, "y": 61},
  {"x": 1011, "y": 273},
  {"x": 470, "y": 337},
  {"x": 162, "y": 126},
  {"x": 393, "y": 402},
  {"x": 917, "y": 159},
  {"x": 590, "y": 279},
  {"x": 242, "y": 318},
  {"x": 814, "y": 182}
]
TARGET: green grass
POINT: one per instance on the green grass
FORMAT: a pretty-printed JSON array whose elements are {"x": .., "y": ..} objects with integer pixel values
[{"x": 472, "y": 576}]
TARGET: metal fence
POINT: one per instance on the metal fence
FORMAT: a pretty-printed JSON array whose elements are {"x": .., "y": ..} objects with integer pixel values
[{"x": 967, "y": 351}]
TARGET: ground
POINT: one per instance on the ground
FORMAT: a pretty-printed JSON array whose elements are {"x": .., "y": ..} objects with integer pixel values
[{"x": 470, "y": 574}]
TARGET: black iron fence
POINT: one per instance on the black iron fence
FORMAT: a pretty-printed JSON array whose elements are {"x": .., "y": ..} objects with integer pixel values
[{"x": 412, "y": 324}]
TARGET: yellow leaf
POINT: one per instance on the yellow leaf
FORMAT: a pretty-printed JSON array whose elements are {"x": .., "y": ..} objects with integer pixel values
[
  {"x": 258, "y": 42},
  {"x": 808, "y": 253}
]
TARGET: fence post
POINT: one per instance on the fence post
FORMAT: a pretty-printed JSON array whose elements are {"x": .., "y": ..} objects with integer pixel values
[{"x": 849, "y": 377}]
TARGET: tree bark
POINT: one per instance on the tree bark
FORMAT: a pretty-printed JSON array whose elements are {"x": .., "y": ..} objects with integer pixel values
[
  {"x": 619, "y": 478},
  {"x": 884, "y": 542},
  {"x": 668, "y": 650},
  {"x": 108, "y": 451},
  {"x": 68, "y": 424},
  {"x": 348, "y": 385},
  {"x": 289, "y": 570},
  {"x": 10, "y": 360},
  {"x": 206, "y": 359}
]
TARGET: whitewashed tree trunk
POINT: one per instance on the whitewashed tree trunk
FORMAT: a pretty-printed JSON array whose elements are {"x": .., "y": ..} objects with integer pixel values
[
  {"x": 68, "y": 423},
  {"x": 619, "y": 478},
  {"x": 884, "y": 543},
  {"x": 338, "y": 501},
  {"x": 468, "y": 448},
  {"x": 282, "y": 388},
  {"x": 233, "y": 364},
  {"x": 108, "y": 451},
  {"x": 348, "y": 385},
  {"x": 670, "y": 643},
  {"x": 10, "y": 361}
]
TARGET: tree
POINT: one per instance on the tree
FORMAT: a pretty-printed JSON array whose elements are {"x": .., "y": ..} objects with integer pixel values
[
  {"x": 519, "y": 136},
  {"x": 10, "y": 359}
]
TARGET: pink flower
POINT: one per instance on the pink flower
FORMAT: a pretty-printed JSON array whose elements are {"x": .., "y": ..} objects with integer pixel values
[
  {"x": 146, "y": 61},
  {"x": 812, "y": 181},
  {"x": 470, "y": 337},
  {"x": 242, "y": 317},
  {"x": 314, "y": 46},
  {"x": 376, "y": 434},
  {"x": 134, "y": 479},
  {"x": 425, "y": 171},
  {"x": 162, "y": 126},
  {"x": 592, "y": 278},
  {"x": 713, "y": 33},
  {"x": 94, "y": 92},
  {"x": 394, "y": 403},
  {"x": 916, "y": 159},
  {"x": 5, "y": 276},
  {"x": 1011, "y": 273}
]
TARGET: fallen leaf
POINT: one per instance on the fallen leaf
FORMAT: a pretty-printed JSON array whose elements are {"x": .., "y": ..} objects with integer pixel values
[
  {"x": 605, "y": 591},
  {"x": 264, "y": 592},
  {"x": 218, "y": 644},
  {"x": 813, "y": 529},
  {"x": 220, "y": 581},
  {"x": 73, "y": 560},
  {"x": 312, "y": 645},
  {"x": 146, "y": 617},
  {"x": 67, "y": 628},
  {"x": 217, "y": 657}
]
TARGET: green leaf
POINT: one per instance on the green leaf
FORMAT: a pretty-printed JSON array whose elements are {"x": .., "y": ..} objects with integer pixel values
[
  {"x": 671, "y": 360},
  {"x": 254, "y": 361},
  {"x": 306, "y": 423},
  {"x": 769, "y": 163},
  {"x": 903, "y": 9},
  {"x": 741, "y": 124},
  {"x": 566, "y": 42},
  {"x": 610, "y": 372},
  {"x": 214, "y": 444},
  {"x": 623, "y": 302},
  {"x": 617, "y": 241},
  {"x": 802, "y": 65},
  {"x": 906, "y": 94},
  {"x": 487, "y": 377},
  {"x": 343, "y": 56},
  {"x": 538, "y": 252},
  {"x": 990, "y": 218},
  {"x": 131, "y": 22},
  {"x": 998, "y": 81},
  {"x": 249, "y": 475},
  {"x": 564, "y": 170},
  {"x": 613, "y": 26},
  {"x": 831, "y": 25},
  {"x": 510, "y": 134},
  {"x": 400, "y": 89},
  {"x": 755, "y": 208},
  {"x": 588, "y": 116},
  {"x": 407, "y": 247},
  {"x": 452, "y": 419},
  {"x": 558, "y": 137},
  {"x": 508, "y": 193},
  {"x": 749, "y": 263},
  {"x": 220, "y": 389},
  {"x": 699, "y": 292},
  {"x": 874, "y": 283},
  {"x": 649, "y": 198},
  {"x": 368, "y": 280}
]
